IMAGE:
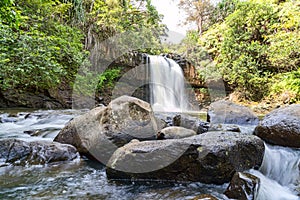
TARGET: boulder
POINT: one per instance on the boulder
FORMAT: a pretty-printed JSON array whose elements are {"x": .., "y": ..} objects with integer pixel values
[
  {"x": 175, "y": 132},
  {"x": 208, "y": 158},
  {"x": 226, "y": 112},
  {"x": 102, "y": 130},
  {"x": 190, "y": 122},
  {"x": 243, "y": 186},
  {"x": 281, "y": 127},
  {"x": 204, "y": 197},
  {"x": 245, "y": 129},
  {"x": 225, "y": 127},
  {"x": 167, "y": 117},
  {"x": 19, "y": 152}
]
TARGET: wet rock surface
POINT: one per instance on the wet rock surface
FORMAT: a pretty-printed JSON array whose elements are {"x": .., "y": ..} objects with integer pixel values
[
  {"x": 11, "y": 98},
  {"x": 243, "y": 186},
  {"x": 226, "y": 112},
  {"x": 19, "y": 152},
  {"x": 175, "y": 132},
  {"x": 191, "y": 123},
  {"x": 244, "y": 129},
  {"x": 208, "y": 158},
  {"x": 281, "y": 127},
  {"x": 102, "y": 130},
  {"x": 205, "y": 197}
]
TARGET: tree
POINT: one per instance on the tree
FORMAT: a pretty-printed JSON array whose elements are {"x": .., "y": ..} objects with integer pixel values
[
  {"x": 42, "y": 51},
  {"x": 44, "y": 42},
  {"x": 257, "y": 41},
  {"x": 222, "y": 9},
  {"x": 197, "y": 11},
  {"x": 9, "y": 14}
]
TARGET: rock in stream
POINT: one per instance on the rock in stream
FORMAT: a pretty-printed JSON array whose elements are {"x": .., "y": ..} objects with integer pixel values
[
  {"x": 226, "y": 112},
  {"x": 281, "y": 127},
  {"x": 19, "y": 152},
  {"x": 211, "y": 157},
  {"x": 102, "y": 130}
]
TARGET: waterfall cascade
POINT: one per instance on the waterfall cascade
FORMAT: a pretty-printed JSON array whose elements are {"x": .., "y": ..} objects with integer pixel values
[
  {"x": 167, "y": 86},
  {"x": 279, "y": 174}
]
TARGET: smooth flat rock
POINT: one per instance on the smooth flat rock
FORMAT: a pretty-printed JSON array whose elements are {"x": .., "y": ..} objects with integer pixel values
[{"x": 175, "y": 132}]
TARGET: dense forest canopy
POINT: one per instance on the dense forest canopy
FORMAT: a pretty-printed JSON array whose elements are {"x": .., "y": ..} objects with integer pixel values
[
  {"x": 45, "y": 41},
  {"x": 253, "y": 45}
]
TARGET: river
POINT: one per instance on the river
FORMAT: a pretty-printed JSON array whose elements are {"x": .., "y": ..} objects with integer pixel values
[{"x": 85, "y": 179}]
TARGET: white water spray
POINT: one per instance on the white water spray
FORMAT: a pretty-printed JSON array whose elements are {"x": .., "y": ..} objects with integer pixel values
[
  {"x": 279, "y": 174},
  {"x": 281, "y": 164},
  {"x": 167, "y": 88}
]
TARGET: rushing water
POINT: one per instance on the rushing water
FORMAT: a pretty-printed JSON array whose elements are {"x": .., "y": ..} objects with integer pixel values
[
  {"x": 79, "y": 179},
  {"x": 279, "y": 174},
  {"x": 84, "y": 179},
  {"x": 168, "y": 91}
]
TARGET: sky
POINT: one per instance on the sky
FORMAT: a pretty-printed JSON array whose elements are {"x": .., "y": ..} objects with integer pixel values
[{"x": 172, "y": 17}]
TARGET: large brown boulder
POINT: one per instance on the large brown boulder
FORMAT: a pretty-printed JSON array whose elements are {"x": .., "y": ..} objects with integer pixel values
[
  {"x": 243, "y": 186},
  {"x": 209, "y": 158},
  {"x": 19, "y": 152},
  {"x": 226, "y": 112},
  {"x": 281, "y": 127},
  {"x": 102, "y": 130}
]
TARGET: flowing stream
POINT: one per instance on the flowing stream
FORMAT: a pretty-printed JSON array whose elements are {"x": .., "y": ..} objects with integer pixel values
[
  {"x": 279, "y": 174},
  {"x": 84, "y": 179},
  {"x": 79, "y": 179}
]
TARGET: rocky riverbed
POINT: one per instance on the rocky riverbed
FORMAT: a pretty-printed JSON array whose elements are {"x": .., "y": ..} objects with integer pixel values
[{"x": 123, "y": 153}]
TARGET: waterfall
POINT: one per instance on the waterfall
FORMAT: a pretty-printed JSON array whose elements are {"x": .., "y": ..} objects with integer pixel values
[
  {"x": 279, "y": 174},
  {"x": 272, "y": 190},
  {"x": 281, "y": 164},
  {"x": 167, "y": 88}
]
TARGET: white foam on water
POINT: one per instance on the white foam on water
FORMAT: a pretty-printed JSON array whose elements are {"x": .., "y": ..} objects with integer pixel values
[{"x": 279, "y": 174}]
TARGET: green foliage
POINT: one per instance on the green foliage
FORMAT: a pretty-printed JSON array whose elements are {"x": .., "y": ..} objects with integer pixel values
[
  {"x": 287, "y": 84},
  {"x": 85, "y": 82},
  {"x": 41, "y": 52},
  {"x": 88, "y": 82},
  {"x": 222, "y": 10},
  {"x": 285, "y": 43},
  {"x": 107, "y": 18},
  {"x": 258, "y": 40},
  {"x": 9, "y": 15},
  {"x": 43, "y": 42},
  {"x": 108, "y": 78}
]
